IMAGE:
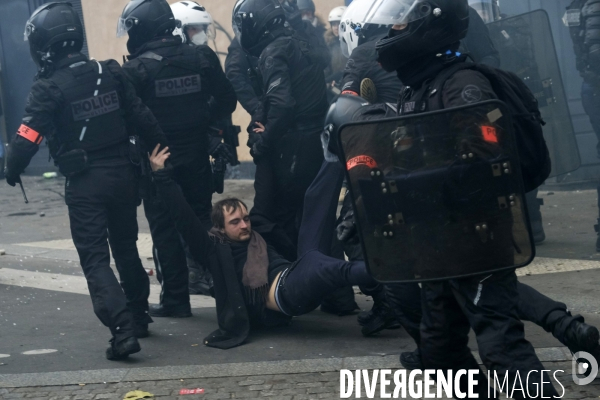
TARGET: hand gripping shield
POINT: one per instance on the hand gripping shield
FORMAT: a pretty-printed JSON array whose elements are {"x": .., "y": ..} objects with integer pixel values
[
  {"x": 527, "y": 48},
  {"x": 438, "y": 195}
]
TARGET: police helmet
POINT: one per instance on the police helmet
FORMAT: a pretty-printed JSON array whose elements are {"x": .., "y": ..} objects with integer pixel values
[
  {"x": 335, "y": 15},
  {"x": 306, "y": 5},
  {"x": 418, "y": 28},
  {"x": 143, "y": 20},
  {"x": 340, "y": 113},
  {"x": 255, "y": 22},
  {"x": 192, "y": 15},
  {"x": 355, "y": 28},
  {"x": 50, "y": 29}
]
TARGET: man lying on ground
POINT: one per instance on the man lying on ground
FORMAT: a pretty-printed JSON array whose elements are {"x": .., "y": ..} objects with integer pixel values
[{"x": 253, "y": 284}]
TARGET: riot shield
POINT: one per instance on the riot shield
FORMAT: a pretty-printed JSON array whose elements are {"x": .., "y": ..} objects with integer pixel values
[
  {"x": 438, "y": 195},
  {"x": 527, "y": 48}
]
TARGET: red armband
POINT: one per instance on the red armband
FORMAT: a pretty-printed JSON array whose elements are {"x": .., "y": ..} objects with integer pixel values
[
  {"x": 350, "y": 92},
  {"x": 361, "y": 160},
  {"x": 30, "y": 134}
]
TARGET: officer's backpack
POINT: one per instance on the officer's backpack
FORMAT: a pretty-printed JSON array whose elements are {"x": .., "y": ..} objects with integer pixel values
[{"x": 527, "y": 120}]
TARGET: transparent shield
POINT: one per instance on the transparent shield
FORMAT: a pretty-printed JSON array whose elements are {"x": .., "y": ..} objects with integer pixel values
[
  {"x": 438, "y": 195},
  {"x": 527, "y": 48}
]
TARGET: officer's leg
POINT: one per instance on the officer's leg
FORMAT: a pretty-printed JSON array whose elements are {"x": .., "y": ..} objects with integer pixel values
[
  {"x": 535, "y": 216},
  {"x": 122, "y": 236},
  {"x": 554, "y": 317},
  {"x": 170, "y": 261},
  {"x": 89, "y": 223},
  {"x": 490, "y": 303},
  {"x": 445, "y": 336}
]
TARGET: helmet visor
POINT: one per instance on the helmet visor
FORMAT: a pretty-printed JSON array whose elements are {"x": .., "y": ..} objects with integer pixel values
[
  {"x": 125, "y": 21},
  {"x": 208, "y": 29},
  {"x": 398, "y": 12},
  {"x": 29, "y": 27}
]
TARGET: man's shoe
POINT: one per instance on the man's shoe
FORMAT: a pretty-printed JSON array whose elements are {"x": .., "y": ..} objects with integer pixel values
[
  {"x": 157, "y": 310},
  {"x": 411, "y": 360},
  {"x": 580, "y": 336},
  {"x": 380, "y": 317},
  {"x": 121, "y": 350}
]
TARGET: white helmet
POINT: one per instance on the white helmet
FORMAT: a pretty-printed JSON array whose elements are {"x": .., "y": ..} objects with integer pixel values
[
  {"x": 336, "y": 14},
  {"x": 354, "y": 26},
  {"x": 193, "y": 15}
]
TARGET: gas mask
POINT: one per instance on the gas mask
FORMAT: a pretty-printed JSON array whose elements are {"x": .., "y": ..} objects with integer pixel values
[{"x": 199, "y": 38}]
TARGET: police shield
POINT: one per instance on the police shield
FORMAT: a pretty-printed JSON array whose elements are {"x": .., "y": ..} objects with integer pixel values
[
  {"x": 438, "y": 195},
  {"x": 527, "y": 48}
]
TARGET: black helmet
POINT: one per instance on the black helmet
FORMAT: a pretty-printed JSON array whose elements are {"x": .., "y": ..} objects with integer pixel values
[
  {"x": 52, "y": 28},
  {"x": 426, "y": 27},
  {"x": 256, "y": 23},
  {"x": 306, "y": 5},
  {"x": 144, "y": 20},
  {"x": 340, "y": 113}
]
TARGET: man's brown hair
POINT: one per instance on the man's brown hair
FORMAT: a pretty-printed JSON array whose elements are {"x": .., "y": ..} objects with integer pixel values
[{"x": 230, "y": 205}]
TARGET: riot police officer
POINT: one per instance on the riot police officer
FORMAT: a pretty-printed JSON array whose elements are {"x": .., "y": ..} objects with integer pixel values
[
  {"x": 185, "y": 88},
  {"x": 583, "y": 19},
  {"x": 285, "y": 145},
  {"x": 421, "y": 47},
  {"x": 84, "y": 107}
]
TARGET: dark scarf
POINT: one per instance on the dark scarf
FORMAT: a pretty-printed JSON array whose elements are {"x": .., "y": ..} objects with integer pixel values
[
  {"x": 416, "y": 72},
  {"x": 255, "y": 272}
]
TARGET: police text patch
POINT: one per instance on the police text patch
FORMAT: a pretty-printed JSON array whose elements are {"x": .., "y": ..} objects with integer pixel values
[
  {"x": 95, "y": 106},
  {"x": 178, "y": 86}
]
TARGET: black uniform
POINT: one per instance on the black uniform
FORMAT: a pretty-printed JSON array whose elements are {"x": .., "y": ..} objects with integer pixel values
[
  {"x": 185, "y": 88},
  {"x": 487, "y": 304},
  {"x": 290, "y": 153},
  {"x": 86, "y": 105},
  {"x": 242, "y": 70}
]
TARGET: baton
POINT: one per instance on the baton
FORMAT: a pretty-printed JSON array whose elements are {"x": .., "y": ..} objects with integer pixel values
[{"x": 23, "y": 190}]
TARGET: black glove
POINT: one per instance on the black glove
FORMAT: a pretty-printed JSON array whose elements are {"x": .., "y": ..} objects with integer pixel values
[
  {"x": 219, "y": 149},
  {"x": 259, "y": 148},
  {"x": 11, "y": 179},
  {"x": 346, "y": 230}
]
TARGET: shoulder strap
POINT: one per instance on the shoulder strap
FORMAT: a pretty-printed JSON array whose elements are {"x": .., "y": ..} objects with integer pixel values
[
  {"x": 437, "y": 86},
  {"x": 149, "y": 55}
]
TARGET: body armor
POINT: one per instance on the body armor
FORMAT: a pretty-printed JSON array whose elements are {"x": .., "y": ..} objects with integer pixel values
[
  {"x": 92, "y": 118},
  {"x": 175, "y": 94}
]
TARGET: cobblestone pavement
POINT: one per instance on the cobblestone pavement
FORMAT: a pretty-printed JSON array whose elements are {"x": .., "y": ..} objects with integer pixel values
[{"x": 322, "y": 385}]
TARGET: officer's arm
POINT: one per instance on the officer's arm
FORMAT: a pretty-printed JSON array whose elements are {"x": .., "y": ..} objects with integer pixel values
[
  {"x": 467, "y": 87},
  {"x": 136, "y": 113},
  {"x": 224, "y": 98},
  {"x": 352, "y": 74},
  {"x": 479, "y": 42},
  {"x": 236, "y": 69},
  {"x": 279, "y": 100},
  {"x": 42, "y": 105}
]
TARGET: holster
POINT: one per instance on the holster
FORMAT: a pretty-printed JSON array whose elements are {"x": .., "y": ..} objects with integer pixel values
[{"x": 73, "y": 162}]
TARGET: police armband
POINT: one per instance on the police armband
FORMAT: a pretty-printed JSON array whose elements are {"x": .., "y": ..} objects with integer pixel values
[{"x": 30, "y": 134}]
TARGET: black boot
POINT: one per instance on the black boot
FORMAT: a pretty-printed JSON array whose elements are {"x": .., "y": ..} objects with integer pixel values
[
  {"x": 411, "y": 359},
  {"x": 140, "y": 324},
  {"x": 580, "y": 336},
  {"x": 122, "y": 349},
  {"x": 381, "y": 315},
  {"x": 157, "y": 310}
]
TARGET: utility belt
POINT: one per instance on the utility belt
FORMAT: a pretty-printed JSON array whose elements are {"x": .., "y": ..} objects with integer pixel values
[
  {"x": 309, "y": 123},
  {"x": 76, "y": 161}
]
